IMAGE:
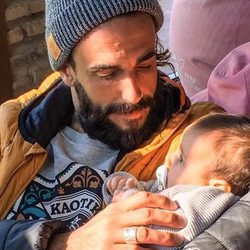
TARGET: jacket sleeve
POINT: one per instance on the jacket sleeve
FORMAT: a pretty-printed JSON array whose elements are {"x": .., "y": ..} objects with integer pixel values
[
  {"x": 27, "y": 235},
  {"x": 230, "y": 232},
  {"x": 27, "y": 97}
]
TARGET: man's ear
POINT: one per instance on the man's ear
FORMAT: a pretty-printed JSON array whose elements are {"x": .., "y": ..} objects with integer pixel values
[
  {"x": 221, "y": 184},
  {"x": 68, "y": 75}
]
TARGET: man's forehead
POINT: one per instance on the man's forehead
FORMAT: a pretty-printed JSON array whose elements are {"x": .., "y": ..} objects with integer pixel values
[
  {"x": 121, "y": 36},
  {"x": 127, "y": 20}
]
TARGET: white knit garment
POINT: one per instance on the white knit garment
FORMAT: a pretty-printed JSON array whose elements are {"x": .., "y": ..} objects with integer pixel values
[{"x": 201, "y": 205}]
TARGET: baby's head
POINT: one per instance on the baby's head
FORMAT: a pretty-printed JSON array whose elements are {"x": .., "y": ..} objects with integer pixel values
[{"x": 215, "y": 151}]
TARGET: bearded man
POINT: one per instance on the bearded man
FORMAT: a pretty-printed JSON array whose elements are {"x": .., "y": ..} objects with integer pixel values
[{"x": 108, "y": 109}]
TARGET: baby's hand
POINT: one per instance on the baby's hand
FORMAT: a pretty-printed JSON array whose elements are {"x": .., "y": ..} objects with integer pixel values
[{"x": 120, "y": 183}]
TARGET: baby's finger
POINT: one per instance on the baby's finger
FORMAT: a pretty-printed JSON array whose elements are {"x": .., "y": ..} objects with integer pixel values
[
  {"x": 108, "y": 185},
  {"x": 115, "y": 182},
  {"x": 122, "y": 183},
  {"x": 130, "y": 183}
]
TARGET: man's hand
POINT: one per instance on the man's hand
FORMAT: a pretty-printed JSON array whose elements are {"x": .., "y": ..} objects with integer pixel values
[{"x": 106, "y": 230}]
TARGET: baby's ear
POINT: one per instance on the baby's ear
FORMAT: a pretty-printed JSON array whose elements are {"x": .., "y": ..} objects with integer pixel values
[{"x": 221, "y": 184}]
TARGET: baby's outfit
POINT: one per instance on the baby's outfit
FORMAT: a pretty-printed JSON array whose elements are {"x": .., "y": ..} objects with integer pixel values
[{"x": 201, "y": 205}]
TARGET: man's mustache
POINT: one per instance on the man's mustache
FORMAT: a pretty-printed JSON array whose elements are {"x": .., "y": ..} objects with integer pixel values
[{"x": 127, "y": 108}]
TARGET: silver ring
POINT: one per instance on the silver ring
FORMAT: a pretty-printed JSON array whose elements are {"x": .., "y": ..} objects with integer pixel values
[{"x": 129, "y": 235}]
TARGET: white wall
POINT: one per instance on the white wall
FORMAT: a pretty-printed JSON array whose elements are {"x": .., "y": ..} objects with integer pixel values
[{"x": 164, "y": 32}]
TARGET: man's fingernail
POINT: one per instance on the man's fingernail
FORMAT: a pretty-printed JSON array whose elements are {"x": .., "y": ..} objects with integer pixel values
[
  {"x": 174, "y": 205},
  {"x": 182, "y": 221},
  {"x": 178, "y": 239}
]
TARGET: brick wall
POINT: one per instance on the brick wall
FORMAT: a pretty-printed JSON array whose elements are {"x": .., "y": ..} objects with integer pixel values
[
  {"x": 27, "y": 49},
  {"x": 25, "y": 32}
]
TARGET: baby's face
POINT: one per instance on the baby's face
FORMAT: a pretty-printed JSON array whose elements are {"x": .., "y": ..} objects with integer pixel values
[{"x": 191, "y": 162}]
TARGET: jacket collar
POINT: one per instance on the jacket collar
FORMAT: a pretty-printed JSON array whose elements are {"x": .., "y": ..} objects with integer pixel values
[
  {"x": 43, "y": 117},
  {"x": 40, "y": 121}
]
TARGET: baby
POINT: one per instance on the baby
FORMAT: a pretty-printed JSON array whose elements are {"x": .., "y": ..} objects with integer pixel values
[{"x": 206, "y": 175}]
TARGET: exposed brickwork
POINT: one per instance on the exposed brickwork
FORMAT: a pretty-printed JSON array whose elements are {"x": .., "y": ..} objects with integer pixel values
[
  {"x": 21, "y": 8},
  {"x": 15, "y": 35},
  {"x": 25, "y": 32},
  {"x": 35, "y": 27}
]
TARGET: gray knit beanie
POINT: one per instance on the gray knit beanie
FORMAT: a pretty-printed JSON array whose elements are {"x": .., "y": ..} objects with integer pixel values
[{"x": 67, "y": 21}]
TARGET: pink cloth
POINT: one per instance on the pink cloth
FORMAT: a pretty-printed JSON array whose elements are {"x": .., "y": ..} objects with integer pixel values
[
  {"x": 229, "y": 83},
  {"x": 202, "y": 33}
]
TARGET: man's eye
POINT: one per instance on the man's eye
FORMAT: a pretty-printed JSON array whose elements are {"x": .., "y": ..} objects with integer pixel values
[
  {"x": 106, "y": 74},
  {"x": 144, "y": 67},
  {"x": 107, "y": 77}
]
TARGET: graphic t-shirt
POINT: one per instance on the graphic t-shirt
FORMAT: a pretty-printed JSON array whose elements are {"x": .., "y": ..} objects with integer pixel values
[{"x": 69, "y": 185}]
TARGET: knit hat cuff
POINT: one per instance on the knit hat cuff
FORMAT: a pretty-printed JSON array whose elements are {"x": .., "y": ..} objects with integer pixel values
[{"x": 66, "y": 25}]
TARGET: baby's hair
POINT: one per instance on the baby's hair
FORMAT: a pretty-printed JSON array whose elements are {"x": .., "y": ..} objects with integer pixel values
[{"x": 232, "y": 148}]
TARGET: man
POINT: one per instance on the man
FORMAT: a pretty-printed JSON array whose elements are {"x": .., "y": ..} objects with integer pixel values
[{"x": 109, "y": 110}]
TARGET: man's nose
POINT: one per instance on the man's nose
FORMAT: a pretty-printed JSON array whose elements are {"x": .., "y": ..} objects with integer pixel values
[{"x": 131, "y": 91}]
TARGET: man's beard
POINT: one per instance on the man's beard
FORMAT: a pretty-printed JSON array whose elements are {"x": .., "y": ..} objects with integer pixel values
[{"x": 95, "y": 122}]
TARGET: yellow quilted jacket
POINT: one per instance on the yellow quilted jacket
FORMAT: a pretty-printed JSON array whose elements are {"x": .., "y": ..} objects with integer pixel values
[{"x": 20, "y": 160}]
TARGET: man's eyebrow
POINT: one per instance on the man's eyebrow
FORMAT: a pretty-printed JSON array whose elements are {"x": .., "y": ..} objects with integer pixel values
[
  {"x": 140, "y": 59},
  {"x": 147, "y": 56},
  {"x": 103, "y": 66}
]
